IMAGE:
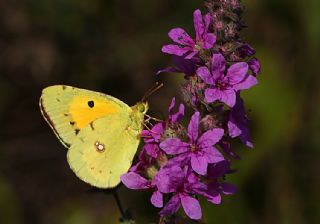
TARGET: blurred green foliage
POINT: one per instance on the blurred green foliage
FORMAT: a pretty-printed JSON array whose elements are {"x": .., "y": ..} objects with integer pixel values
[{"x": 114, "y": 46}]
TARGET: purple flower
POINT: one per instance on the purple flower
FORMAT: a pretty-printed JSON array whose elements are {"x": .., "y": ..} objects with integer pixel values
[
  {"x": 183, "y": 184},
  {"x": 226, "y": 147},
  {"x": 255, "y": 66},
  {"x": 185, "y": 44},
  {"x": 217, "y": 188},
  {"x": 198, "y": 150},
  {"x": 145, "y": 161},
  {"x": 152, "y": 137},
  {"x": 134, "y": 181},
  {"x": 246, "y": 51},
  {"x": 181, "y": 65},
  {"x": 238, "y": 124},
  {"x": 224, "y": 87},
  {"x": 175, "y": 117}
]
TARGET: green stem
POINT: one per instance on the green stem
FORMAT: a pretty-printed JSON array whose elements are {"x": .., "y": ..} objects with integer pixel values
[{"x": 116, "y": 197}]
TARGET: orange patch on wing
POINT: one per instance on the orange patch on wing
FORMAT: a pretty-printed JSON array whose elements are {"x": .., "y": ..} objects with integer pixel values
[{"x": 82, "y": 114}]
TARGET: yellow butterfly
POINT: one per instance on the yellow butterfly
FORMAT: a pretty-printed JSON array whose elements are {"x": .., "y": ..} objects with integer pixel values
[{"x": 101, "y": 133}]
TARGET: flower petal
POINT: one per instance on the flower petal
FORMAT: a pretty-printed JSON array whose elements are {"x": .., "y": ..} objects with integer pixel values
[
  {"x": 237, "y": 72},
  {"x": 228, "y": 97},
  {"x": 175, "y": 49},
  {"x": 172, "y": 206},
  {"x": 247, "y": 83},
  {"x": 181, "y": 160},
  {"x": 245, "y": 138},
  {"x": 218, "y": 65},
  {"x": 255, "y": 66},
  {"x": 194, "y": 184},
  {"x": 192, "y": 54},
  {"x": 246, "y": 50},
  {"x": 212, "y": 95},
  {"x": 186, "y": 66},
  {"x": 168, "y": 70},
  {"x": 213, "y": 155},
  {"x": 191, "y": 206},
  {"x": 173, "y": 146},
  {"x": 207, "y": 22},
  {"x": 167, "y": 180},
  {"x": 238, "y": 123},
  {"x": 134, "y": 181},
  {"x": 197, "y": 188},
  {"x": 211, "y": 137},
  {"x": 152, "y": 150},
  {"x": 177, "y": 116},
  {"x": 192, "y": 177},
  {"x": 156, "y": 131},
  {"x": 209, "y": 41},
  {"x": 157, "y": 199},
  {"x": 215, "y": 199},
  {"x": 199, "y": 164},
  {"x": 193, "y": 127},
  {"x": 180, "y": 36},
  {"x": 198, "y": 24},
  {"x": 228, "y": 188},
  {"x": 205, "y": 75},
  {"x": 171, "y": 106},
  {"x": 226, "y": 147},
  {"x": 217, "y": 170},
  {"x": 233, "y": 128}
]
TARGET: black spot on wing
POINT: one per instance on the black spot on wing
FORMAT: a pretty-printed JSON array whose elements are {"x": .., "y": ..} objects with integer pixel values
[
  {"x": 77, "y": 131},
  {"x": 91, "y": 103},
  {"x": 72, "y": 123},
  {"x": 64, "y": 87}
]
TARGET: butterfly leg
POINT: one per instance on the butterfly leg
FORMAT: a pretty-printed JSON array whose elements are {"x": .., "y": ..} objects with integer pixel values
[
  {"x": 153, "y": 118},
  {"x": 130, "y": 131}
]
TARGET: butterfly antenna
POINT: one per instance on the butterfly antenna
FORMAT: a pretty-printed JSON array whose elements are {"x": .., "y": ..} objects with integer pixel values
[{"x": 153, "y": 89}]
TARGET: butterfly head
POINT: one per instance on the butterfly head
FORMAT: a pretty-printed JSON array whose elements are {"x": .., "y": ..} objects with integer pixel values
[{"x": 141, "y": 107}]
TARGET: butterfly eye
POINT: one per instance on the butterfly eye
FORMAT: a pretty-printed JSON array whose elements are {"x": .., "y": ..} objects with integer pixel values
[
  {"x": 141, "y": 108},
  {"x": 91, "y": 103}
]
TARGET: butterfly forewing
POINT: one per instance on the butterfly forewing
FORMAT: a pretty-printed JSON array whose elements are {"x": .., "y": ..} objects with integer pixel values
[{"x": 68, "y": 110}]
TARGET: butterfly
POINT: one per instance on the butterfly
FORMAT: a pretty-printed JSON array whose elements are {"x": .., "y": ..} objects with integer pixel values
[{"x": 101, "y": 132}]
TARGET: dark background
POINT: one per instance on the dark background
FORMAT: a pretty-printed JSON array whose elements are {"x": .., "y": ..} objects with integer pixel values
[{"x": 114, "y": 46}]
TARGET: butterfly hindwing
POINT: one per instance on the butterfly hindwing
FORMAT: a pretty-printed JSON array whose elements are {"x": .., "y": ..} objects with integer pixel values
[
  {"x": 104, "y": 150},
  {"x": 68, "y": 109}
]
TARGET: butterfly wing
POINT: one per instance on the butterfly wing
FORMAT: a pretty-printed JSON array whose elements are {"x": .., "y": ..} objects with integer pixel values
[
  {"x": 104, "y": 150},
  {"x": 68, "y": 110}
]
